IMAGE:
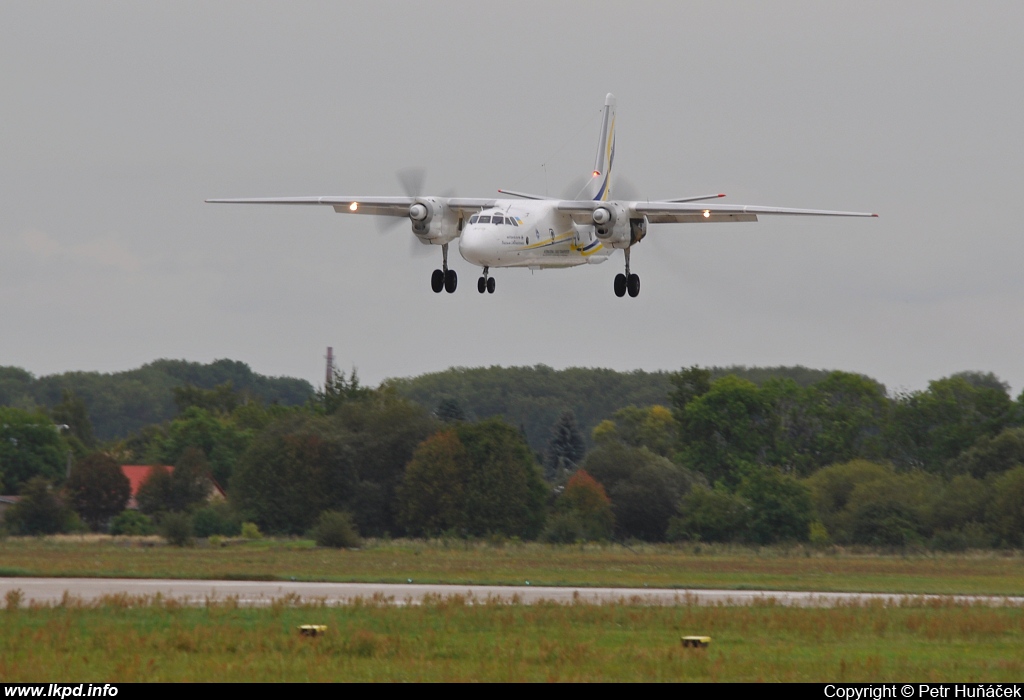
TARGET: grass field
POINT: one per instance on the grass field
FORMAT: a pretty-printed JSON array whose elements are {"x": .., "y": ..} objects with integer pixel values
[
  {"x": 397, "y": 561},
  {"x": 121, "y": 640}
]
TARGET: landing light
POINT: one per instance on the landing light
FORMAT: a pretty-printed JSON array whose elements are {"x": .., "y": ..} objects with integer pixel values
[
  {"x": 707, "y": 214},
  {"x": 353, "y": 206}
]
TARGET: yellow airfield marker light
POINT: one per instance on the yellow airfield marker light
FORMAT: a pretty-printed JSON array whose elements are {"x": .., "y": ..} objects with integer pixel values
[
  {"x": 696, "y": 641},
  {"x": 312, "y": 630}
]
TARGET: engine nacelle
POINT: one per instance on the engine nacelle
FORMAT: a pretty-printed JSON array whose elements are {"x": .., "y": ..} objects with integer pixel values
[
  {"x": 432, "y": 221},
  {"x": 611, "y": 225}
]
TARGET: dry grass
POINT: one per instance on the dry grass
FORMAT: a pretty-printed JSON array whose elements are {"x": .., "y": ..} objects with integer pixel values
[
  {"x": 459, "y": 562},
  {"x": 138, "y": 639}
]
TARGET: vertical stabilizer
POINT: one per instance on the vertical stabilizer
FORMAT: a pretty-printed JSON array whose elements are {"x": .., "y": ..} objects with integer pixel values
[{"x": 600, "y": 185}]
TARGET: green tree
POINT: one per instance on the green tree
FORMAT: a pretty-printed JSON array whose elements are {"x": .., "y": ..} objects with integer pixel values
[
  {"x": 930, "y": 428},
  {"x": 41, "y": 510},
  {"x": 565, "y": 448},
  {"x": 711, "y": 515},
  {"x": 728, "y": 430},
  {"x": 97, "y": 489},
  {"x": 1006, "y": 511},
  {"x": 991, "y": 455},
  {"x": 177, "y": 490},
  {"x": 652, "y": 427},
  {"x": 687, "y": 385},
  {"x": 585, "y": 501},
  {"x": 644, "y": 487},
  {"x": 780, "y": 507},
  {"x": 832, "y": 487},
  {"x": 218, "y": 436},
  {"x": 853, "y": 412},
  {"x": 384, "y": 431},
  {"x": 339, "y": 391},
  {"x": 72, "y": 412},
  {"x": 298, "y": 467},
  {"x": 879, "y": 505},
  {"x": 449, "y": 410},
  {"x": 221, "y": 399},
  {"x": 504, "y": 491},
  {"x": 432, "y": 494},
  {"x": 30, "y": 446}
]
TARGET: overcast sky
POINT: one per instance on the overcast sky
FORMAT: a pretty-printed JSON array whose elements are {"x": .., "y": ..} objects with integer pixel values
[{"x": 117, "y": 119}]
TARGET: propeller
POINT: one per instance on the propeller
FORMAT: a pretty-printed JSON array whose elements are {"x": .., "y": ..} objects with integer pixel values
[{"x": 412, "y": 180}]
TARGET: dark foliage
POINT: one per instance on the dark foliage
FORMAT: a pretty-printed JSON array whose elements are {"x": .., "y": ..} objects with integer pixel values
[
  {"x": 565, "y": 449},
  {"x": 336, "y": 529},
  {"x": 30, "y": 446},
  {"x": 41, "y": 510},
  {"x": 122, "y": 403},
  {"x": 132, "y": 522},
  {"x": 176, "y": 528},
  {"x": 97, "y": 489}
]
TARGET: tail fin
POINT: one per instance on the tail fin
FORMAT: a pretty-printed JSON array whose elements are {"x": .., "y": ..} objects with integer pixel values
[{"x": 600, "y": 186}]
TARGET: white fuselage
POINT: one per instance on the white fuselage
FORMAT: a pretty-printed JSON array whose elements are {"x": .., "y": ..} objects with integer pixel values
[{"x": 528, "y": 234}]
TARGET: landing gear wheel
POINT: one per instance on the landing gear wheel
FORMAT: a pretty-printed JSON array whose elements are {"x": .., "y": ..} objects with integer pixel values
[
  {"x": 620, "y": 285},
  {"x": 437, "y": 281},
  {"x": 633, "y": 284},
  {"x": 490, "y": 285},
  {"x": 451, "y": 281},
  {"x": 481, "y": 285}
]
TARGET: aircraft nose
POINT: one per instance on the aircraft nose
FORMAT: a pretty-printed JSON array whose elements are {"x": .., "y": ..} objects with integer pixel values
[{"x": 472, "y": 246}]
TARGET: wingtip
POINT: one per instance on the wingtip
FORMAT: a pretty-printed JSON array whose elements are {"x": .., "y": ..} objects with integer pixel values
[
  {"x": 722, "y": 194},
  {"x": 875, "y": 216}
]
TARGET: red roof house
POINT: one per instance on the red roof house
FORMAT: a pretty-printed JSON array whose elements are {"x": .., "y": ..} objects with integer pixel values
[{"x": 137, "y": 475}]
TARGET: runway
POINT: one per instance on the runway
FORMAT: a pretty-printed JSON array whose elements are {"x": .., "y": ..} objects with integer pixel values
[{"x": 50, "y": 591}]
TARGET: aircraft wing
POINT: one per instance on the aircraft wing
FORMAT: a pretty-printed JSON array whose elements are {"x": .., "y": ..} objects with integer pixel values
[
  {"x": 690, "y": 212},
  {"x": 687, "y": 213},
  {"x": 380, "y": 206}
]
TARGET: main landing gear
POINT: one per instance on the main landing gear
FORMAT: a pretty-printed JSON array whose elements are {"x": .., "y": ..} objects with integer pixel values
[
  {"x": 627, "y": 282},
  {"x": 444, "y": 278},
  {"x": 485, "y": 283}
]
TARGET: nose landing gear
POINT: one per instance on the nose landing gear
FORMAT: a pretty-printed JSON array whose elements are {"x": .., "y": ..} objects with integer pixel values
[
  {"x": 485, "y": 283},
  {"x": 627, "y": 282},
  {"x": 444, "y": 278}
]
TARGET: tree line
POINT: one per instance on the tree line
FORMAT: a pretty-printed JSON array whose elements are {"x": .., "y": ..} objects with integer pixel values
[{"x": 800, "y": 455}]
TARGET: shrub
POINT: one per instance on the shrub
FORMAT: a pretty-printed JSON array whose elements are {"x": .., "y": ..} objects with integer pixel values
[
  {"x": 563, "y": 528},
  {"x": 41, "y": 510},
  {"x": 711, "y": 515},
  {"x": 217, "y": 519},
  {"x": 336, "y": 529},
  {"x": 250, "y": 531},
  {"x": 176, "y": 528},
  {"x": 132, "y": 522}
]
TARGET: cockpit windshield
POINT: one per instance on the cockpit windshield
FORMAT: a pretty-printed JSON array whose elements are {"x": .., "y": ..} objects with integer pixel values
[{"x": 496, "y": 219}]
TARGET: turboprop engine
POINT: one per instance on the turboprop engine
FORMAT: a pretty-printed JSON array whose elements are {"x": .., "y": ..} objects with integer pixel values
[
  {"x": 615, "y": 228},
  {"x": 432, "y": 221}
]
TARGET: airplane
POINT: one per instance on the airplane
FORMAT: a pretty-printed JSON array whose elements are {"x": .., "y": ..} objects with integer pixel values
[{"x": 539, "y": 232}]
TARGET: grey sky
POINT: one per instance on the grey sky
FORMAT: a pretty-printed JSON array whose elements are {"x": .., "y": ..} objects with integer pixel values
[{"x": 117, "y": 119}]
